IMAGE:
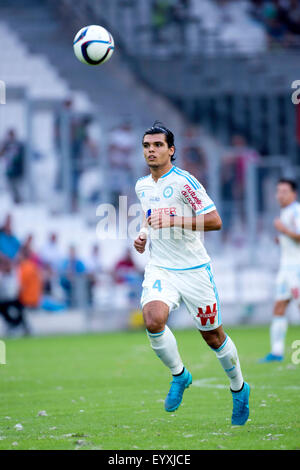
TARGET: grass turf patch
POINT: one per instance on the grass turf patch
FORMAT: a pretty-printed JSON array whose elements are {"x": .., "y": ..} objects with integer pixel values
[{"x": 107, "y": 391}]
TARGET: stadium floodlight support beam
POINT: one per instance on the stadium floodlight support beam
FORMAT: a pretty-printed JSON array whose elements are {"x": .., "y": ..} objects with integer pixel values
[
  {"x": 251, "y": 209},
  {"x": 104, "y": 164},
  {"x": 66, "y": 164}
]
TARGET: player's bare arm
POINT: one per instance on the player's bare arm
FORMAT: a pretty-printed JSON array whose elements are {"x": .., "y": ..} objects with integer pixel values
[
  {"x": 284, "y": 230},
  {"x": 207, "y": 222}
]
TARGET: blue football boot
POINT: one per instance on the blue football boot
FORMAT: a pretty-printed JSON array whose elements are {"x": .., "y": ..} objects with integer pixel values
[
  {"x": 240, "y": 412},
  {"x": 271, "y": 358},
  {"x": 179, "y": 384}
]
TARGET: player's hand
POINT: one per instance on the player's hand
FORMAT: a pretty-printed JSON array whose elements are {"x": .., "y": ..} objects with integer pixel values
[
  {"x": 140, "y": 243},
  {"x": 157, "y": 221},
  {"x": 279, "y": 225}
]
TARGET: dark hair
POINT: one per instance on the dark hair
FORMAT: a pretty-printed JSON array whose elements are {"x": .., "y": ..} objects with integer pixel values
[
  {"x": 159, "y": 128},
  {"x": 292, "y": 183}
]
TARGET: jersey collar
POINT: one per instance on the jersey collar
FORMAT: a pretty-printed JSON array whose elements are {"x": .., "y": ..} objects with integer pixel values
[
  {"x": 166, "y": 174},
  {"x": 170, "y": 171}
]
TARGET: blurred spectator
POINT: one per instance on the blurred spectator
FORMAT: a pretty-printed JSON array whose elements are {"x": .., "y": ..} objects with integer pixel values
[
  {"x": 256, "y": 10},
  {"x": 9, "y": 244},
  {"x": 127, "y": 273},
  {"x": 94, "y": 270},
  {"x": 30, "y": 277},
  {"x": 121, "y": 148},
  {"x": 11, "y": 309},
  {"x": 242, "y": 155},
  {"x": 125, "y": 268},
  {"x": 161, "y": 16},
  {"x": 281, "y": 19},
  {"x": 71, "y": 271},
  {"x": 276, "y": 29},
  {"x": 180, "y": 14},
  {"x": 28, "y": 245},
  {"x": 51, "y": 258},
  {"x": 234, "y": 169},
  {"x": 193, "y": 156},
  {"x": 289, "y": 12},
  {"x": 12, "y": 150},
  {"x": 50, "y": 253}
]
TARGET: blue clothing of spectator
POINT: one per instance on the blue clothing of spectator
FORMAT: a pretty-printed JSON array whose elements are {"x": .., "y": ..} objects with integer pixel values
[
  {"x": 74, "y": 266},
  {"x": 9, "y": 244}
]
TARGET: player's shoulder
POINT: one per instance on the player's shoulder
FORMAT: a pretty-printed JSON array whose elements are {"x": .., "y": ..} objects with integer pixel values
[
  {"x": 185, "y": 177},
  {"x": 293, "y": 208},
  {"x": 297, "y": 208},
  {"x": 144, "y": 180}
]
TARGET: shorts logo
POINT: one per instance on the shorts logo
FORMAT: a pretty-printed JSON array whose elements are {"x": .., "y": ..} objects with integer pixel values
[
  {"x": 168, "y": 191},
  {"x": 207, "y": 315}
]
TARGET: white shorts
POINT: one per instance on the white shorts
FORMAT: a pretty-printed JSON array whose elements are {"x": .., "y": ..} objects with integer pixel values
[
  {"x": 288, "y": 284},
  {"x": 196, "y": 288}
]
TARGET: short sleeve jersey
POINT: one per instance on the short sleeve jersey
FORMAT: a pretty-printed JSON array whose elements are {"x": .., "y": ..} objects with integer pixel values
[
  {"x": 176, "y": 193},
  {"x": 290, "y": 249}
]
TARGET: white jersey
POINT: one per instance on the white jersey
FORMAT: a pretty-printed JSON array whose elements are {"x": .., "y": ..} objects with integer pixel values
[
  {"x": 290, "y": 249},
  {"x": 179, "y": 193}
]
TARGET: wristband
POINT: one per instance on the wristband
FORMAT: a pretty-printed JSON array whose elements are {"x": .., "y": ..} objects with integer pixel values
[{"x": 144, "y": 230}]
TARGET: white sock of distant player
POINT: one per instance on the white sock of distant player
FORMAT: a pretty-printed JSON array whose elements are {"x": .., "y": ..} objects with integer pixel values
[
  {"x": 278, "y": 331},
  {"x": 164, "y": 345},
  {"x": 228, "y": 357}
]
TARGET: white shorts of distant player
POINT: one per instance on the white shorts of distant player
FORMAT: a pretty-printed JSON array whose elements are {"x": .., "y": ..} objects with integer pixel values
[
  {"x": 288, "y": 284},
  {"x": 196, "y": 288}
]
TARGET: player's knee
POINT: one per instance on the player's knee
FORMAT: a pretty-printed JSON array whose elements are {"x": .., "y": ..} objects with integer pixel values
[
  {"x": 154, "y": 320},
  {"x": 279, "y": 308},
  {"x": 154, "y": 325},
  {"x": 214, "y": 338}
]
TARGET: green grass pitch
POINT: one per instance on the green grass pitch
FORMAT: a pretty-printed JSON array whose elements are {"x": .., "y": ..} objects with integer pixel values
[{"x": 107, "y": 391}]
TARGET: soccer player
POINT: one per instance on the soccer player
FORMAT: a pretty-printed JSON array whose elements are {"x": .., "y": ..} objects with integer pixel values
[
  {"x": 288, "y": 278},
  {"x": 179, "y": 268}
]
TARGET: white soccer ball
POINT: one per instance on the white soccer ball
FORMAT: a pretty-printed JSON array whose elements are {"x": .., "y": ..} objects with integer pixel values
[{"x": 93, "y": 45}]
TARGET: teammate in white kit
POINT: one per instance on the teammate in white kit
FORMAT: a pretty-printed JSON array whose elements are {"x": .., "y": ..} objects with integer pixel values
[
  {"x": 177, "y": 209},
  {"x": 288, "y": 278}
]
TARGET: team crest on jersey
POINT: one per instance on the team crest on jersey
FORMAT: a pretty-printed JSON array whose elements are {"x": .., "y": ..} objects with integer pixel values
[{"x": 168, "y": 191}]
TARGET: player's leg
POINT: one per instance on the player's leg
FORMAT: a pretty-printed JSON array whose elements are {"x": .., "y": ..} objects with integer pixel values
[
  {"x": 164, "y": 344},
  {"x": 204, "y": 306},
  {"x": 162, "y": 340},
  {"x": 278, "y": 331},
  {"x": 284, "y": 293},
  {"x": 227, "y": 354}
]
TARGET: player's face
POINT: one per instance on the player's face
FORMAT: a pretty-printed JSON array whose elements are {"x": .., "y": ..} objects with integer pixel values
[
  {"x": 285, "y": 194},
  {"x": 156, "y": 151}
]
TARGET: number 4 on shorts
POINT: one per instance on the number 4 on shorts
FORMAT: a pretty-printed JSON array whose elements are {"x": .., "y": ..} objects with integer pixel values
[{"x": 157, "y": 285}]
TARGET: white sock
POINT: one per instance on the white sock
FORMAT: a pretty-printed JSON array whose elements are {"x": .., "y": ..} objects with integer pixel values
[
  {"x": 228, "y": 357},
  {"x": 165, "y": 347},
  {"x": 278, "y": 331}
]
